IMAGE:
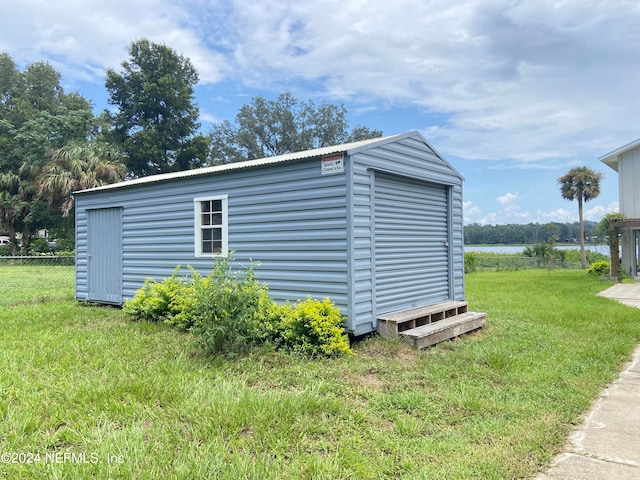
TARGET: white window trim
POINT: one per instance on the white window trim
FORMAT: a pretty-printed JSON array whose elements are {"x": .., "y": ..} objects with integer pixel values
[{"x": 198, "y": 226}]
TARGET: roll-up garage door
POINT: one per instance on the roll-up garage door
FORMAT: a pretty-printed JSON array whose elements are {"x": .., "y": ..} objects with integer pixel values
[{"x": 411, "y": 243}]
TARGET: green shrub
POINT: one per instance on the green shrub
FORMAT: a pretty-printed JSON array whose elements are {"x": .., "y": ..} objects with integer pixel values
[
  {"x": 545, "y": 254},
  {"x": 470, "y": 262},
  {"x": 315, "y": 327},
  {"x": 226, "y": 308},
  {"x": 39, "y": 245},
  {"x": 157, "y": 301},
  {"x": 573, "y": 256},
  {"x": 624, "y": 277},
  {"x": 600, "y": 269},
  {"x": 184, "y": 306},
  {"x": 229, "y": 311},
  {"x": 267, "y": 321}
]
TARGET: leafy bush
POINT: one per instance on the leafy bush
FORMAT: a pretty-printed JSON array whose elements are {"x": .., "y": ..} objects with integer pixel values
[
  {"x": 470, "y": 262},
  {"x": 314, "y": 327},
  {"x": 545, "y": 254},
  {"x": 573, "y": 256},
  {"x": 39, "y": 245},
  {"x": 599, "y": 269},
  {"x": 157, "y": 301},
  {"x": 226, "y": 305},
  {"x": 229, "y": 311}
]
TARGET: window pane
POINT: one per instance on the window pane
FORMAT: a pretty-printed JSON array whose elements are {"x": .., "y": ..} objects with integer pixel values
[{"x": 211, "y": 226}]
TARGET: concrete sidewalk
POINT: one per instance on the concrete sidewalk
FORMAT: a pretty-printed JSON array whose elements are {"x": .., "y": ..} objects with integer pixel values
[
  {"x": 627, "y": 293},
  {"x": 607, "y": 445}
]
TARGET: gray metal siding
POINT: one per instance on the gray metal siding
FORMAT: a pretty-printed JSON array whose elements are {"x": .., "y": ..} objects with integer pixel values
[
  {"x": 104, "y": 255},
  {"x": 288, "y": 217},
  {"x": 412, "y": 158},
  {"x": 312, "y": 234}
]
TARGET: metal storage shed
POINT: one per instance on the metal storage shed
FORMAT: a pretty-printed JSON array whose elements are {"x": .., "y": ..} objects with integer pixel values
[{"x": 375, "y": 225}]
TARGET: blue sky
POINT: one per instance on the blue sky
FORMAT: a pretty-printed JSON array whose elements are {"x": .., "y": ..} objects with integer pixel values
[{"x": 513, "y": 93}]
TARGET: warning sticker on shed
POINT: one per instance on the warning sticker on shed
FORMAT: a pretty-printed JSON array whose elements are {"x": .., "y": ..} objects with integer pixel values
[{"x": 332, "y": 164}]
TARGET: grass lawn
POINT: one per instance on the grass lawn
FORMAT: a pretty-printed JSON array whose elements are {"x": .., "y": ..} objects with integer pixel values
[
  {"x": 24, "y": 284},
  {"x": 98, "y": 396}
]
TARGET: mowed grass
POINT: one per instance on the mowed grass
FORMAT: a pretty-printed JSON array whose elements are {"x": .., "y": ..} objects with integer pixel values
[
  {"x": 136, "y": 400},
  {"x": 23, "y": 284}
]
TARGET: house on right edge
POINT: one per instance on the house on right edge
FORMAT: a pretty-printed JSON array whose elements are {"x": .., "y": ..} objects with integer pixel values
[{"x": 626, "y": 161}]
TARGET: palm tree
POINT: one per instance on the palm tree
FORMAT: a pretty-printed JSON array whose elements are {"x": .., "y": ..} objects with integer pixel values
[
  {"x": 17, "y": 194},
  {"x": 9, "y": 187},
  {"x": 583, "y": 184},
  {"x": 77, "y": 167}
]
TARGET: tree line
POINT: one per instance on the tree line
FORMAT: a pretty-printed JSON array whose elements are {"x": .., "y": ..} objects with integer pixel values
[
  {"x": 529, "y": 234},
  {"x": 52, "y": 144}
]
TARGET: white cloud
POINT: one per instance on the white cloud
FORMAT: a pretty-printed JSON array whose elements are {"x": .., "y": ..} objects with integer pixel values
[
  {"x": 470, "y": 208},
  {"x": 559, "y": 215},
  {"x": 208, "y": 117},
  {"x": 526, "y": 81},
  {"x": 532, "y": 82},
  {"x": 596, "y": 213},
  {"x": 469, "y": 211},
  {"x": 507, "y": 198},
  {"x": 490, "y": 219},
  {"x": 84, "y": 37}
]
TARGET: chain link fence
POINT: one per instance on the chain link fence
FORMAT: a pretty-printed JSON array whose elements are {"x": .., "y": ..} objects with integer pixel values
[
  {"x": 30, "y": 280},
  {"x": 478, "y": 263},
  {"x": 35, "y": 279}
]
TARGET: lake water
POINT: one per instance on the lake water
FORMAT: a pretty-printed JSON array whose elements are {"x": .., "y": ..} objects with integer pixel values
[{"x": 604, "y": 249}]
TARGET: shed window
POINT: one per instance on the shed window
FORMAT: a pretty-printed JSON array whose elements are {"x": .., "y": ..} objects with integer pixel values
[{"x": 211, "y": 226}]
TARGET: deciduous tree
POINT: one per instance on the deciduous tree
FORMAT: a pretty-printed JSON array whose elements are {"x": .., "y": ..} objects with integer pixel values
[
  {"x": 36, "y": 115},
  {"x": 266, "y": 128},
  {"x": 156, "y": 117}
]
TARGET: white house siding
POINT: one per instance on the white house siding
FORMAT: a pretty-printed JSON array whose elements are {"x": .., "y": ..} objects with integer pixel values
[
  {"x": 413, "y": 159},
  {"x": 629, "y": 179},
  {"x": 289, "y": 218}
]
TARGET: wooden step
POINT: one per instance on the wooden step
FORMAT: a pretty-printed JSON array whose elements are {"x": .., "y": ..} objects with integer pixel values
[
  {"x": 430, "y": 334},
  {"x": 391, "y": 324}
]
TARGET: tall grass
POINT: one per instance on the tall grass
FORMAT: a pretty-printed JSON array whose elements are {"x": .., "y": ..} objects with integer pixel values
[{"x": 141, "y": 401}]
